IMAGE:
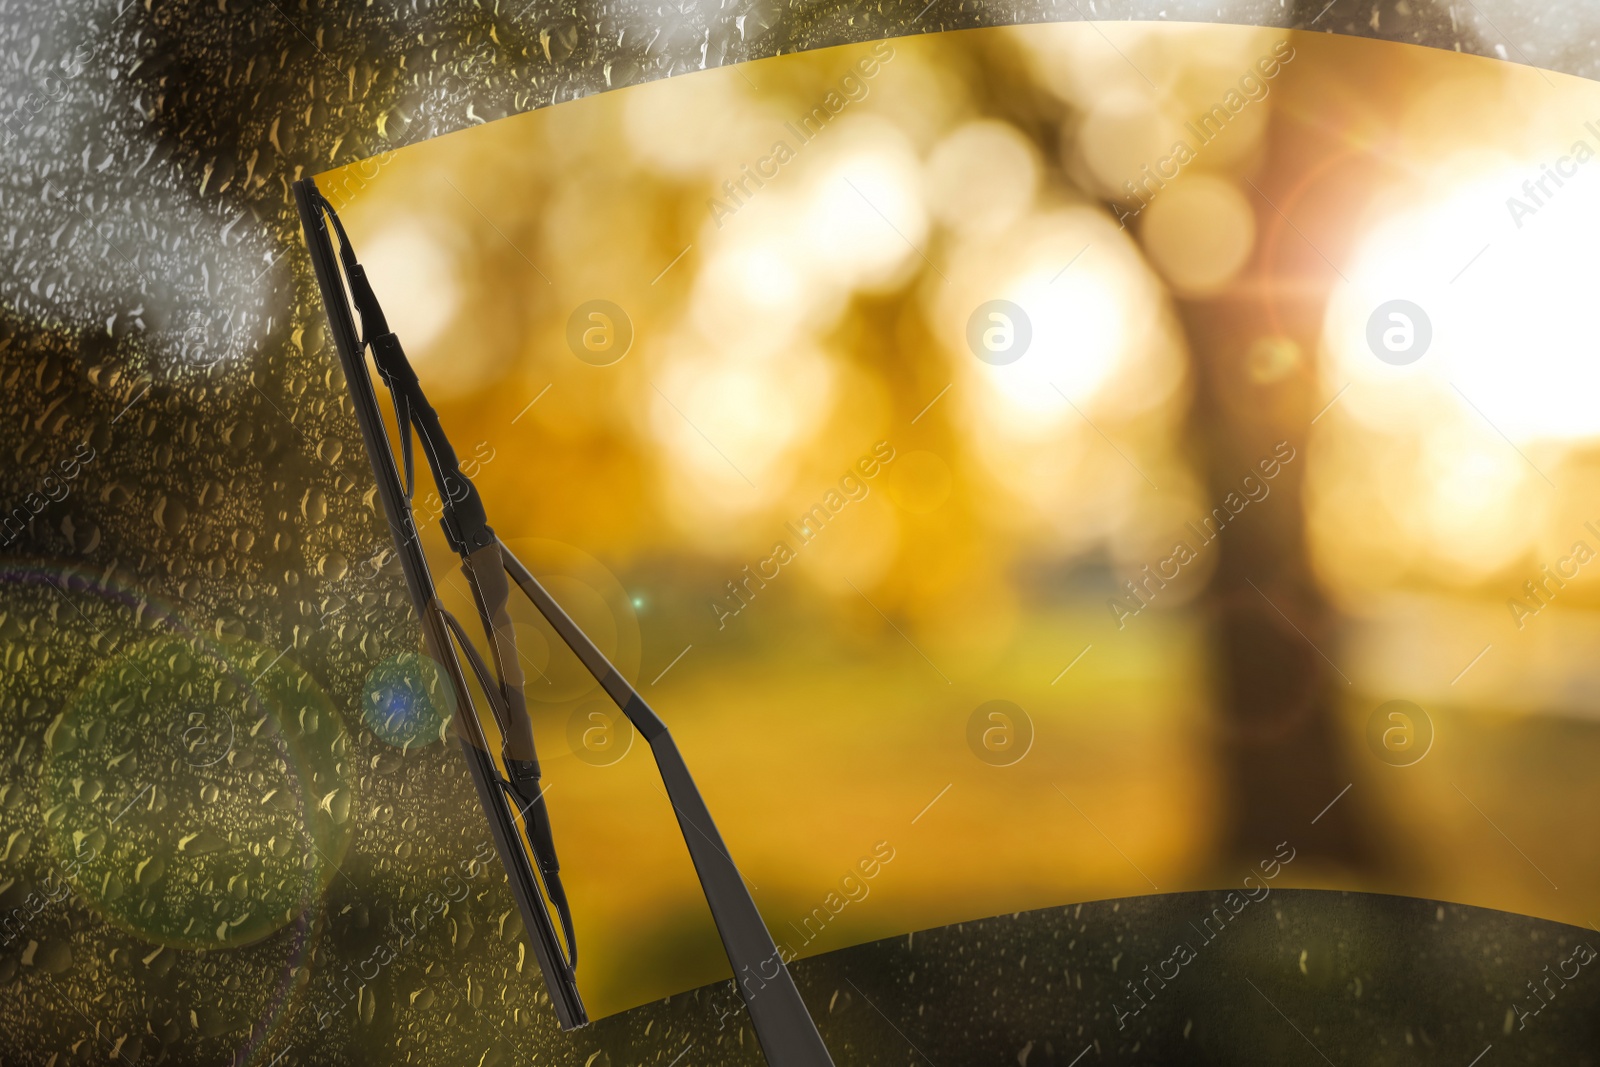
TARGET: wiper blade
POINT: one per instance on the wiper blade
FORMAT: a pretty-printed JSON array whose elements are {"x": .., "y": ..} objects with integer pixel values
[{"x": 509, "y": 790}]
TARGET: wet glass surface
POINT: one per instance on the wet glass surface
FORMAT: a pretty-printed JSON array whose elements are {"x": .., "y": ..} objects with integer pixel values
[{"x": 197, "y": 533}]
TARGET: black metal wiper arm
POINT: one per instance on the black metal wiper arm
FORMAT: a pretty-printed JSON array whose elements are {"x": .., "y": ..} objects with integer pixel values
[{"x": 784, "y": 1027}]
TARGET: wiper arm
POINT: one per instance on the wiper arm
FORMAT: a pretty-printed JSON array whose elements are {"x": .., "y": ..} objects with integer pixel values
[{"x": 523, "y": 836}]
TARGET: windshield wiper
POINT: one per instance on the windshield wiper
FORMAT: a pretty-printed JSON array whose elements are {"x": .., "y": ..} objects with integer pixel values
[{"x": 510, "y": 788}]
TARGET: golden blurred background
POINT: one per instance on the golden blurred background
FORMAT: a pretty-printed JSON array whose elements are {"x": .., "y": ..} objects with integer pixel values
[{"x": 1076, "y": 345}]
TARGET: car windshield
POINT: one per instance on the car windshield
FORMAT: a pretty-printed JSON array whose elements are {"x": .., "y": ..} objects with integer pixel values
[{"x": 1068, "y": 461}]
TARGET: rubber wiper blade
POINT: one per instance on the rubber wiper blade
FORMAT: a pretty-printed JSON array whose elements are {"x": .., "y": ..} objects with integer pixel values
[
  {"x": 441, "y": 633},
  {"x": 509, "y": 789}
]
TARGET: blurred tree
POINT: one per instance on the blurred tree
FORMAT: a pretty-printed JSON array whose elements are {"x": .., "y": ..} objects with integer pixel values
[{"x": 1277, "y": 686}]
